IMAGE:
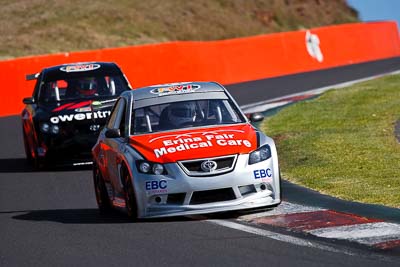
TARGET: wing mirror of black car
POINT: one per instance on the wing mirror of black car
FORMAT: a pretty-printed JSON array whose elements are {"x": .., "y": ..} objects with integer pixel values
[
  {"x": 28, "y": 100},
  {"x": 256, "y": 117},
  {"x": 113, "y": 133}
]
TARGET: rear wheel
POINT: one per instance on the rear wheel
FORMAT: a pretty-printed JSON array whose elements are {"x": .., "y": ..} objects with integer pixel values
[
  {"x": 130, "y": 198},
  {"x": 103, "y": 202}
]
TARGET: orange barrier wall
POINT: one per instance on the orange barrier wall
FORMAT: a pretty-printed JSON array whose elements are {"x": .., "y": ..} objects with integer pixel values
[{"x": 226, "y": 61}]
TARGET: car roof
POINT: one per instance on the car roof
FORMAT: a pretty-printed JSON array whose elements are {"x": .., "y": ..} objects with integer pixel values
[
  {"x": 78, "y": 68},
  {"x": 174, "y": 89}
]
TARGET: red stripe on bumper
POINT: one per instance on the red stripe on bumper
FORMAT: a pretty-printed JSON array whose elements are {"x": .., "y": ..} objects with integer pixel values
[{"x": 314, "y": 220}]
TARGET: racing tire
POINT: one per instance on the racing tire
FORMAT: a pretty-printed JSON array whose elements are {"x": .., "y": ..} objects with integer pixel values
[
  {"x": 27, "y": 147},
  {"x": 130, "y": 197},
  {"x": 102, "y": 199},
  {"x": 36, "y": 163}
]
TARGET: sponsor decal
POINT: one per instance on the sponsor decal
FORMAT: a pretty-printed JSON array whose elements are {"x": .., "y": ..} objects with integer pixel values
[
  {"x": 82, "y": 106},
  {"x": 97, "y": 103},
  {"x": 156, "y": 187},
  {"x": 74, "y": 105},
  {"x": 312, "y": 45},
  {"x": 80, "y": 67},
  {"x": 85, "y": 109},
  {"x": 66, "y": 106},
  {"x": 80, "y": 116},
  {"x": 190, "y": 134},
  {"x": 186, "y": 142},
  {"x": 175, "y": 89},
  {"x": 263, "y": 174},
  {"x": 168, "y": 84},
  {"x": 166, "y": 147}
]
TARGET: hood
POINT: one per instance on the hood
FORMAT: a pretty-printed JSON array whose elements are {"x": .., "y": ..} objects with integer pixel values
[
  {"x": 196, "y": 143},
  {"x": 80, "y": 111}
]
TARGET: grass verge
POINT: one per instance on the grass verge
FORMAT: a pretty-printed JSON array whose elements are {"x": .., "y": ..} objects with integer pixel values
[{"x": 342, "y": 143}]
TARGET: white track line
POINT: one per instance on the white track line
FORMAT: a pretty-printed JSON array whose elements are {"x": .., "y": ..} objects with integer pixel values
[
  {"x": 276, "y": 236},
  {"x": 265, "y": 107},
  {"x": 269, "y": 104}
]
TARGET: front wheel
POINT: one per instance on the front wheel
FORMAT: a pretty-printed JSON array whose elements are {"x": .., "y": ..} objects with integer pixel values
[
  {"x": 130, "y": 198},
  {"x": 28, "y": 151},
  {"x": 103, "y": 202},
  {"x": 31, "y": 155}
]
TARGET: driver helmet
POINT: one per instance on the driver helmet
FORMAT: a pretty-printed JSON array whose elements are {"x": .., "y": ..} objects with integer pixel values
[
  {"x": 87, "y": 86},
  {"x": 181, "y": 113}
]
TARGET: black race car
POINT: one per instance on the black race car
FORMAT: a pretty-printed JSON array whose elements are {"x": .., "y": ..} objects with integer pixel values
[{"x": 69, "y": 106}]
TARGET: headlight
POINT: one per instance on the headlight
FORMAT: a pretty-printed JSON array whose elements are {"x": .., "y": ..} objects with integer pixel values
[
  {"x": 144, "y": 167},
  {"x": 44, "y": 127},
  {"x": 261, "y": 154},
  {"x": 49, "y": 128},
  {"x": 158, "y": 169},
  {"x": 54, "y": 129},
  {"x": 151, "y": 168}
]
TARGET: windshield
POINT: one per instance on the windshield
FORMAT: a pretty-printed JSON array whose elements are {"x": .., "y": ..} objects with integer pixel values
[
  {"x": 178, "y": 115},
  {"x": 82, "y": 88}
]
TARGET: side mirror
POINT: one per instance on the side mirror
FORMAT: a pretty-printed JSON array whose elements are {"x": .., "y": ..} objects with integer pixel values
[
  {"x": 28, "y": 100},
  {"x": 256, "y": 117},
  {"x": 113, "y": 133}
]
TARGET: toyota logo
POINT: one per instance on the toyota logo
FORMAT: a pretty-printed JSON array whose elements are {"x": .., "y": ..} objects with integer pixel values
[{"x": 208, "y": 165}]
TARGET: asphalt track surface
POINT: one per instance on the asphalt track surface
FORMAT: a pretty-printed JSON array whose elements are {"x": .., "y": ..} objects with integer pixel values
[
  {"x": 49, "y": 218},
  {"x": 259, "y": 90}
]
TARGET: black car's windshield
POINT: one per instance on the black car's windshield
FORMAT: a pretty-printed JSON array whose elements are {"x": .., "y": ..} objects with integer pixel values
[
  {"x": 178, "y": 115},
  {"x": 82, "y": 88}
]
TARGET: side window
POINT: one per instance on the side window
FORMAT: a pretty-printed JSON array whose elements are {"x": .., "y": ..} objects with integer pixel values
[
  {"x": 122, "y": 121},
  {"x": 115, "y": 113},
  {"x": 38, "y": 84}
]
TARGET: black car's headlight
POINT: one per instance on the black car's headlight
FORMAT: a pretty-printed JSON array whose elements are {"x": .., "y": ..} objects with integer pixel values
[
  {"x": 151, "y": 168},
  {"x": 261, "y": 154},
  {"x": 49, "y": 128},
  {"x": 54, "y": 129},
  {"x": 44, "y": 127}
]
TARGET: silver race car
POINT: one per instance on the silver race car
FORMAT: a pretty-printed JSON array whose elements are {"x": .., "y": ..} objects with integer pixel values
[{"x": 182, "y": 149}]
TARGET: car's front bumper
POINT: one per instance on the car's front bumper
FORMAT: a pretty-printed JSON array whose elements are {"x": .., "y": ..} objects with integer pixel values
[
  {"x": 178, "y": 194},
  {"x": 250, "y": 202},
  {"x": 64, "y": 146}
]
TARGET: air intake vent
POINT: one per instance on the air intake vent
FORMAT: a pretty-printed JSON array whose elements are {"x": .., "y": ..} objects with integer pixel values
[
  {"x": 247, "y": 189},
  {"x": 208, "y": 166},
  {"x": 210, "y": 196},
  {"x": 176, "y": 199}
]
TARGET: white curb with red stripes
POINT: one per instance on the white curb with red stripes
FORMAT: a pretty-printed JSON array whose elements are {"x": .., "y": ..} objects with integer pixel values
[
  {"x": 310, "y": 220},
  {"x": 323, "y": 223}
]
